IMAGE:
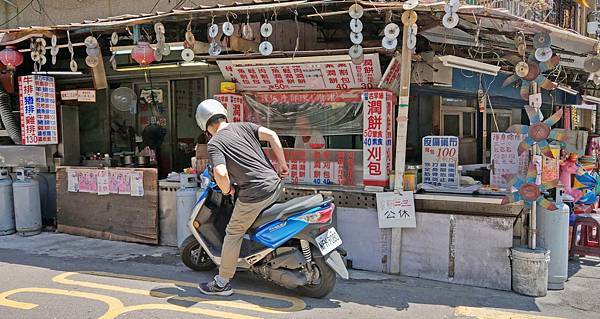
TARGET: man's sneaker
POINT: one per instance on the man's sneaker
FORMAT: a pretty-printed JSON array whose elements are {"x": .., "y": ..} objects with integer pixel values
[{"x": 212, "y": 288}]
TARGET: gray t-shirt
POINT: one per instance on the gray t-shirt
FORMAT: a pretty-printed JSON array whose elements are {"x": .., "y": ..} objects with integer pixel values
[{"x": 238, "y": 147}]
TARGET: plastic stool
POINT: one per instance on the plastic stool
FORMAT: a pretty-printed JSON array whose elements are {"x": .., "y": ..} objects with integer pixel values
[{"x": 589, "y": 242}]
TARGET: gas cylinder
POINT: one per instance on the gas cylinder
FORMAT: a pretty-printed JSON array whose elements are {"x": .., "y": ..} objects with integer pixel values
[
  {"x": 27, "y": 205},
  {"x": 186, "y": 198},
  {"x": 7, "y": 212}
]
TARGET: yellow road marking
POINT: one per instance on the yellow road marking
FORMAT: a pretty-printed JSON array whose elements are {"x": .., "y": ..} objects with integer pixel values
[
  {"x": 115, "y": 306},
  {"x": 485, "y": 313},
  {"x": 297, "y": 304}
]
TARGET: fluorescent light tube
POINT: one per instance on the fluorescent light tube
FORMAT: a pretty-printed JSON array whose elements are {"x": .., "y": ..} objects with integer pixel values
[
  {"x": 57, "y": 73},
  {"x": 470, "y": 65}
]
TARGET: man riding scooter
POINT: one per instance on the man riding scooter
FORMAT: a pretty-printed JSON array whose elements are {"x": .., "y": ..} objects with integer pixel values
[{"x": 237, "y": 157}]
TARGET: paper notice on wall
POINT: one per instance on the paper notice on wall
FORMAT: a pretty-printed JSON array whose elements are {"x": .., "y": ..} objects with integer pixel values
[
  {"x": 396, "y": 210},
  {"x": 506, "y": 159},
  {"x": 123, "y": 182},
  {"x": 87, "y": 180},
  {"x": 137, "y": 183},
  {"x": 102, "y": 181},
  {"x": 113, "y": 183},
  {"x": 72, "y": 180}
]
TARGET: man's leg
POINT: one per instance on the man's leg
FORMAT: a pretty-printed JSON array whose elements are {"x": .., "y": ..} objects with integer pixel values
[{"x": 243, "y": 216}]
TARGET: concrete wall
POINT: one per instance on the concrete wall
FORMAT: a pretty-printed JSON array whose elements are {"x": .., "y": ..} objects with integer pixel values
[
  {"x": 65, "y": 11},
  {"x": 469, "y": 250}
]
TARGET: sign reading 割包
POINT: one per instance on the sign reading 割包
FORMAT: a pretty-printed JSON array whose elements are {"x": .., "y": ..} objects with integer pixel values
[
  {"x": 396, "y": 210},
  {"x": 440, "y": 161},
  {"x": 37, "y": 100}
]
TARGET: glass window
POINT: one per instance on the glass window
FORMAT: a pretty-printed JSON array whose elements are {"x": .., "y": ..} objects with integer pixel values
[
  {"x": 452, "y": 124},
  {"x": 467, "y": 124}
]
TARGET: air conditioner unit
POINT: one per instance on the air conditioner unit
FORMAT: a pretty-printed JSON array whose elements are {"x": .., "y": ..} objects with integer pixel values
[{"x": 571, "y": 61}]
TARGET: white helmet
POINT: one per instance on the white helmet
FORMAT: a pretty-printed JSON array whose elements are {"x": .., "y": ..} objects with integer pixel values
[{"x": 206, "y": 110}]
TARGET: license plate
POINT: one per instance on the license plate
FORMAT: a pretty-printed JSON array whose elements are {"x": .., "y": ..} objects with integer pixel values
[{"x": 328, "y": 241}]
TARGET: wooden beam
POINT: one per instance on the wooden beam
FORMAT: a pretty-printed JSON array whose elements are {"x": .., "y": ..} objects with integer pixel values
[
  {"x": 401, "y": 130},
  {"x": 99, "y": 74}
]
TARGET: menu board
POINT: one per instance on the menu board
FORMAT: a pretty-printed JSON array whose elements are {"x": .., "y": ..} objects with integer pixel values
[
  {"x": 505, "y": 157},
  {"x": 440, "y": 161},
  {"x": 37, "y": 101},
  {"x": 234, "y": 103},
  {"x": 310, "y": 75},
  {"x": 377, "y": 137}
]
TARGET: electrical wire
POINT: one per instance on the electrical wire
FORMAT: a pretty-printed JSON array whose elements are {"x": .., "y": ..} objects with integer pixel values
[
  {"x": 43, "y": 11},
  {"x": 17, "y": 14},
  {"x": 154, "y": 6}
]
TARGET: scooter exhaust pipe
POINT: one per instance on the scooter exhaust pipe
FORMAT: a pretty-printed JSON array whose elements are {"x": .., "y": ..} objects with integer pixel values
[{"x": 286, "y": 278}]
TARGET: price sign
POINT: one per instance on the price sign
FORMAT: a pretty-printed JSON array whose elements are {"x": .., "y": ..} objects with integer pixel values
[
  {"x": 505, "y": 158},
  {"x": 396, "y": 210},
  {"x": 377, "y": 137},
  {"x": 37, "y": 100},
  {"x": 440, "y": 161},
  {"x": 234, "y": 103}
]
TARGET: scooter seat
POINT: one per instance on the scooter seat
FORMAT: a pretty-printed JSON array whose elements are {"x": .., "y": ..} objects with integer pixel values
[{"x": 280, "y": 210}]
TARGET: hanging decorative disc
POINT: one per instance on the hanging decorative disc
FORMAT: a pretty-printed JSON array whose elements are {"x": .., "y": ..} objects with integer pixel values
[
  {"x": 409, "y": 17},
  {"x": 543, "y": 54},
  {"x": 228, "y": 28},
  {"x": 521, "y": 48},
  {"x": 355, "y": 51},
  {"x": 213, "y": 30},
  {"x": 54, "y": 40},
  {"x": 91, "y": 42},
  {"x": 359, "y": 60},
  {"x": 35, "y": 56},
  {"x": 356, "y": 25},
  {"x": 54, "y": 51},
  {"x": 114, "y": 38},
  {"x": 414, "y": 28},
  {"x": 522, "y": 69},
  {"x": 166, "y": 50},
  {"x": 591, "y": 64},
  {"x": 113, "y": 61},
  {"x": 356, "y": 11},
  {"x": 411, "y": 42},
  {"x": 410, "y": 4},
  {"x": 265, "y": 48},
  {"x": 541, "y": 40},
  {"x": 392, "y": 30},
  {"x": 356, "y": 38},
  {"x": 41, "y": 42},
  {"x": 43, "y": 60},
  {"x": 158, "y": 54},
  {"x": 214, "y": 49},
  {"x": 91, "y": 61},
  {"x": 159, "y": 28},
  {"x": 450, "y": 20},
  {"x": 53, "y": 59},
  {"x": 189, "y": 37},
  {"x": 451, "y": 8},
  {"x": 389, "y": 44},
  {"x": 92, "y": 51},
  {"x": 266, "y": 29},
  {"x": 73, "y": 66},
  {"x": 187, "y": 55}
]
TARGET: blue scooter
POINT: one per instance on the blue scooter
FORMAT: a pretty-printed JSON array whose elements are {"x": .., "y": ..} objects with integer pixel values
[{"x": 292, "y": 244}]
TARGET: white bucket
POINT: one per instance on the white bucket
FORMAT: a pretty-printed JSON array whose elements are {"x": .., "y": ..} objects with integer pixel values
[{"x": 530, "y": 271}]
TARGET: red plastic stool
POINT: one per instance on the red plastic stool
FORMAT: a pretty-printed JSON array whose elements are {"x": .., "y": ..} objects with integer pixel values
[{"x": 589, "y": 241}]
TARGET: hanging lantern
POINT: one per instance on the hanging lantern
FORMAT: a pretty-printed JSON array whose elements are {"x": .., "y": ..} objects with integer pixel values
[
  {"x": 11, "y": 57},
  {"x": 142, "y": 53}
]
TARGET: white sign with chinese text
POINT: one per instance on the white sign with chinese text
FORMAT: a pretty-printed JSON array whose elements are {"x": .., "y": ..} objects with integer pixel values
[
  {"x": 505, "y": 158},
  {"x": 310, "y": 75},
  {"x": 88, "y": 95},
  {"x": 396, "y": 210},
  {"x": 37, "y": 100},
  {"x": 377, "y": 137},
  {"x": 234, "y": 103},
  {"x": 68, "y": 95},
  {"x": 440, "y": 161}
]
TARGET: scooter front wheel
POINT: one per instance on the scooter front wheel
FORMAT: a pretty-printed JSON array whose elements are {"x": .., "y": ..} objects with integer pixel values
[{"x": 194, "y": 256}]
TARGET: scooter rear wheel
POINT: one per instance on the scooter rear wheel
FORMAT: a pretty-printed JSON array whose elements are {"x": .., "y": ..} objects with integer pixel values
[
  {"x": 326, "y": 280},
  {"x": 194, "y": 256}
]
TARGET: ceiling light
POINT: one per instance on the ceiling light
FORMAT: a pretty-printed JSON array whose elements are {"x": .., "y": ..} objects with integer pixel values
[
  {"x": 160, "y": 66},
  {"x": 470, "y": 65},
  {"x": 566, "y": 88},
  {"x": 591, "y": 99},
  {"x": 57, "y": 73},
  {"x": 126, "y": 49}
]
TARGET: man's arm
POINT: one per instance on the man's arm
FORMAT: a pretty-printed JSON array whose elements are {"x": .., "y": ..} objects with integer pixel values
[
  {"x": 222, "y": 179},
  {"x": 267, "y": 135}
]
